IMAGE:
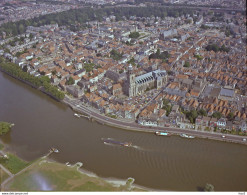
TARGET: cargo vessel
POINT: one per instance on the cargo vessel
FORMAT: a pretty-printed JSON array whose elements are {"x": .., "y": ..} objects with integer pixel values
[{"x": 110, "y": 141}]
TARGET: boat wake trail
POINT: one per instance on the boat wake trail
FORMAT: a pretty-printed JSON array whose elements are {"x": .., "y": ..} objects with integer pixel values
[{"x": 113, "y": 142}]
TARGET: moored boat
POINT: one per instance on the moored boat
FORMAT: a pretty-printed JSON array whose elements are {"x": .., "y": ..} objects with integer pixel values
[
  {"x": 76, "y": 115},
  {"x": 163, "y": 133},
  {"x": 54, "y": 150},
  {"x": 186, "y": 136}
]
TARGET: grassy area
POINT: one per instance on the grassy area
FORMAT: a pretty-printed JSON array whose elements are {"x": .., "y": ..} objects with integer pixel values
[
  {"x": 1, "y": 146},
  {"x": 52, "y": 176},
  {"x": 13, "y": 163},
  {"x": 4, "y": 127},
  {"x": 112, "y": 116},
  {"x": 3, "y": 175}
]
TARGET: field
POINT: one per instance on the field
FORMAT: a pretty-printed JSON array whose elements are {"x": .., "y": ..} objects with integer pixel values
[
  {"x": 13, "y": 163},
  {"x": 51, "y": 176}
]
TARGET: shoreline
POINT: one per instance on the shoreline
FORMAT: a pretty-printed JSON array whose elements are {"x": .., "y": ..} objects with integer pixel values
[
  {"x": 117, "y": 182},
  {"x": 148, "y": 129},
  {"x": 173, "y": 130}
]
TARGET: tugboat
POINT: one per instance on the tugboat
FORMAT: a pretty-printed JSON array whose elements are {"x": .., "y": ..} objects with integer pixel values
[
  {"x": 110, "y": 141},
  {"x": 187, "y": 136},
  {"x": 163, "y": 133}
]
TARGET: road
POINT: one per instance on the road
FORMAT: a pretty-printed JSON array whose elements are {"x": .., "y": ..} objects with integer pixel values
[{"x": 78, "y": 105}]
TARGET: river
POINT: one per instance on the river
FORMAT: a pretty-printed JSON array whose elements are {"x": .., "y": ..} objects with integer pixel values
[{"x": 157, "y": 162}]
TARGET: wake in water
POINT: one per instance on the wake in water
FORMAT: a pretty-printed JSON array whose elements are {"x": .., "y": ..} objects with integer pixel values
[{"x": 113, "y": 142}]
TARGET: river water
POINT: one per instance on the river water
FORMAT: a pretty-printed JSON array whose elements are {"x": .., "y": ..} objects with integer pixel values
[{"x": 157, "y": 162}]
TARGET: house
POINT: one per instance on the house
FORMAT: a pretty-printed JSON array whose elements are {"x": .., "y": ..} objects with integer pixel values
[
  {"x": 117, "y": 89},
  {"x": 76, "y": 79},
  {"x": 184, "y": 123},
  {"x": 243, "y": 126},
  {"x": 80, "y": 73},
  {"x": 221, "y": 123},
  {"x": 75, "y": 91},
  {"x": 213, "y": 122},
  {"x": 152, "y": 121}
]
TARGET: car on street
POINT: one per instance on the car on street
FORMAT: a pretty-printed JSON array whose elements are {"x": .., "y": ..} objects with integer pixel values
[
  {"x": 223, "y": 136},
  {"x": 244, "y": 139}
]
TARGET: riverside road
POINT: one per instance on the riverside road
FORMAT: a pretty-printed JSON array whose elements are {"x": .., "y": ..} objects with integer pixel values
[{"x": 132, "y": 125}]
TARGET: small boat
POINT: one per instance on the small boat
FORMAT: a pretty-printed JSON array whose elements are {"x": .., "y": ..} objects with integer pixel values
[
  {"x": 186, "y": 136},
  {"x": 164, "y": 133},
  {"x": 110, "y": 141},
  {"x": 76, "y": 115},
  {"x": 54, "y": 150},
  {"x": 67, "y": 164}
]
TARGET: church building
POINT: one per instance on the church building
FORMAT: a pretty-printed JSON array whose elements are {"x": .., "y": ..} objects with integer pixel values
[{"x": 138, "y": 85}]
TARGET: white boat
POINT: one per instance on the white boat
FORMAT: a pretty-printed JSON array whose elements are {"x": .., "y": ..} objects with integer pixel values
[
  {"x": 67, "y": 164},
  {"x": 54, "y": 150},
  {"x": 76, "y": 115},
  {"x": 162, "y": 133},
  {"x": 186, "y": 136}
]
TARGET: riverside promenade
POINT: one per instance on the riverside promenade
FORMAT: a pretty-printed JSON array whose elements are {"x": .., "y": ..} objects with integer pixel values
[{"x": 128, "y": 124}]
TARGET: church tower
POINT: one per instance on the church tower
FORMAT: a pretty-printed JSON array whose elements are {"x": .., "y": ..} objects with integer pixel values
[{"x": 131, "y": 82}]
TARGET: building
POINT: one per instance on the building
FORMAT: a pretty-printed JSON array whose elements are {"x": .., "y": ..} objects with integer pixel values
[
  {"x": 138, "y": 85},
  {"x": 168, "y": 33},
  {"x": 226, "y": 94}
]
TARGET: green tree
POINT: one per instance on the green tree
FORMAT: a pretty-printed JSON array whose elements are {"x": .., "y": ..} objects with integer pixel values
[
  {"x": 70, "y": 81},
  {"x": 25, "y": 68},
  {"x": 192, "y": 115},
  {"x": 230, "y": 116},
  {"x": 116, "y": 55},
  {"x": 4, "y": 127},
  {"x": 217, "y": 115},
  {"x": 186, "y": 64},
  {"x": 134, "y": 35},
  {"x": 54, "y": 72},
  {"x": 202, "y": 112}
]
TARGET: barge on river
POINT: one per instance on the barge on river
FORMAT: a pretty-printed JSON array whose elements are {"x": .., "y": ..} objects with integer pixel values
[{"x": 110, "y": 141}]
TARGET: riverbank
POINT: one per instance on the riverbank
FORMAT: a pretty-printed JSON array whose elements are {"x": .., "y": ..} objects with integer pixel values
[
  {"x": 48, "y": 175},
  {"x": 104, "y": 120},
  {"x": 20, "y": 175},
  {"x": 41, "y": 83}
]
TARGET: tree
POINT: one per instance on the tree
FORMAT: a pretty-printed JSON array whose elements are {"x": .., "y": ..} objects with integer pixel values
[
  {"x": 209, "y": 188},
  {"x": 4, "y": 128},
  {"x": 230, "y": 116},
  {"x": 202, "y": 112},
  {"x": 217, "y": 115},
  {"x": 163, "y": 56},
  {"x": 115, "y": 55},
  {"x": 186, "y": 64},
  {"x": 71, "y": 81},
  {"x": 25, "y": 69},
  {"x": 54, "y": 72},
  {"x": 192, "y": 115},
  {"x": 134, "y": 35}
]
